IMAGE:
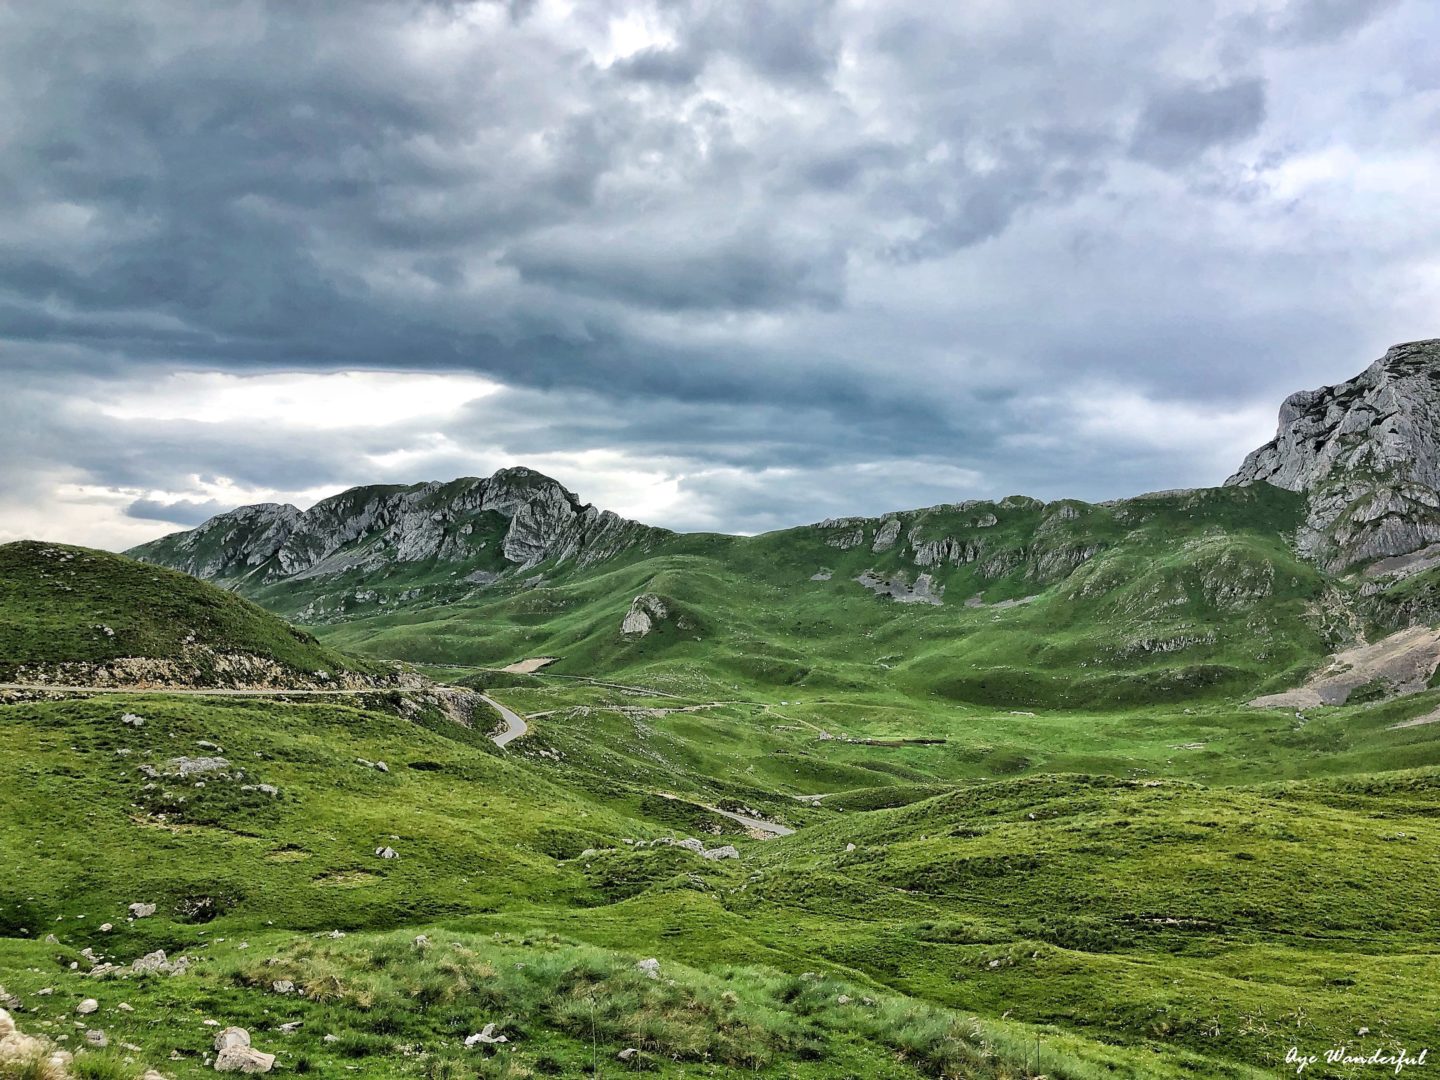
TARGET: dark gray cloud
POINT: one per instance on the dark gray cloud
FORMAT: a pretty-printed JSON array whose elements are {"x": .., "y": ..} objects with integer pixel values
[
  {"x": 185, "y": 513},
  {"x": 1179, "y": 124},
  {"x": 770, "y": 258}
]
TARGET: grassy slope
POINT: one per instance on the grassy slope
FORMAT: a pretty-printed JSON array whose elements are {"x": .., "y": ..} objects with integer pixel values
[
  {"x": 487, "y": 846},
  {"x": 1166, "y": 926},
  {"x": 56, "y": 602},
  {"x": 1195, "y": 596}
]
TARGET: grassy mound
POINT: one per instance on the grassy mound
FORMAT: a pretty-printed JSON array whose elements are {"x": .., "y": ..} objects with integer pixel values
[{"x": 61, "y": 604}]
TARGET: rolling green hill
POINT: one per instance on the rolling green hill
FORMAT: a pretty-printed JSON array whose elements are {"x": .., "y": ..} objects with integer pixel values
[
  {"x": 967, "y": 791},
  {"x": 62, "y": 605}
]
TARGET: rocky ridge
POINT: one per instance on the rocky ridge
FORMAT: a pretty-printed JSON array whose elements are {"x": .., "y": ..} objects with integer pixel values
[{"x": 516, "y": 519}]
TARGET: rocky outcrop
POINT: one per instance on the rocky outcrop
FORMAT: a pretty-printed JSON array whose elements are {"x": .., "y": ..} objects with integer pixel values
[
  {"x": 646, "y": 611},
  {"x": 201, "y": 666},
  {"x": 1367, "y": 453},
  {"x": 518, "y": 516}
]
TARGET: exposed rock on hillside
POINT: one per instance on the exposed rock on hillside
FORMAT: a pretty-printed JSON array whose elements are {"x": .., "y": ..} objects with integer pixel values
[
  {"x": 646, "y": 610},
  {"x": 516, "y": 517},
  {"x": 1367, "y": 452}
]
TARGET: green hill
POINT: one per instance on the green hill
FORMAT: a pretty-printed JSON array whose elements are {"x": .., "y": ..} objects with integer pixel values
[{"x": 62, "y": 605}]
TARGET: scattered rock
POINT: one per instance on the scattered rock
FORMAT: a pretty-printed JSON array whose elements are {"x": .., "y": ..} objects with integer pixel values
[
  {"x": 97, "y": 1038},
  {"x": 649, "y": 968},
  {"x": 484, "y": 1036},
  {"x": 387, "y": 853},
  {"x": 141, "y": 911},
  {"x": 131, "y": 720},
  {"x": 283, "y": 986},
  {"x": 186, "y": 767},
  {"x": 725, "y": 851},
  {"x": 628, "y": 1054},
  {"x": 86, "y": 1007},
  {"x": 156, "y": 962}
]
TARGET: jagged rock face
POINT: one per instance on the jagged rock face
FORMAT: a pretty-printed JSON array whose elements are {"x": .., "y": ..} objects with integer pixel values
[
  {"x": 242, "y": 539},
  {"x": 1367, "y": 452},
  {"x": 368, "y": 528}
]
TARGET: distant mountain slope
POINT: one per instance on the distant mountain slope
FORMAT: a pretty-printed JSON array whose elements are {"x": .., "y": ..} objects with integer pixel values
[
  {"x": 90, "y": 615},
  {"x": 512, "y": 520},
  {"x": 1022, "y": 604}
]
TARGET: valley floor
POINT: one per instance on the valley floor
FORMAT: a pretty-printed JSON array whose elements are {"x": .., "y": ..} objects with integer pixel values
[{"x": 974, "y": 892}]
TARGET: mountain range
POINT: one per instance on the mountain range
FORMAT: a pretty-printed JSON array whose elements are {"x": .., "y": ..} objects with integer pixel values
[
  {"x": 1323, "y": 536},
  {"x": 997, "y": 789}
]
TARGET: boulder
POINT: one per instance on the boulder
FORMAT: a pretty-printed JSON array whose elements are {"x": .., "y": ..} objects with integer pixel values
[
  {"x": 646, "y": 611},
  {"x": 232, "y": 1036},
  {"x": 243, "y": 1059}
]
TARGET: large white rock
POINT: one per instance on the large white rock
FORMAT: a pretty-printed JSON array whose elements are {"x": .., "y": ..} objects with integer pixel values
[
  {"x": 243, "y": 1059},
  {"x": 1367, "y": 452}
]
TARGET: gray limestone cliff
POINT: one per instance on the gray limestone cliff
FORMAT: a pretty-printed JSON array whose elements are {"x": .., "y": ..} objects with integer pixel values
[
  {"x": 1366, "y": 452},
  {"x": 515, "y": 519}
]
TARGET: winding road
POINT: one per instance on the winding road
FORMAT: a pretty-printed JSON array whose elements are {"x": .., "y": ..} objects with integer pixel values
[{"x": 515, "y": 725}]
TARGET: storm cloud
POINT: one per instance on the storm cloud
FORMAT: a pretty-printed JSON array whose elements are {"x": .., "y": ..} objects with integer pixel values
[{"x": 728, "y": 265}]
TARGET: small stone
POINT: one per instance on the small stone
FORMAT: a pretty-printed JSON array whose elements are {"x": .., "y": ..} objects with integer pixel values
[
  {"x": 97, "y": 1038},
  {"x": 628, "y": 1054},
  {"x": 387, "y": 853},
  {"x": 485, "y": 1035},
  {"x": 125, "y": 1006},
  {"x": 141, "y": 911},
  {"x": 283, "y": 986},
  {"x": 649, "y": 968},
  {"x": 86, "y": 1007}
]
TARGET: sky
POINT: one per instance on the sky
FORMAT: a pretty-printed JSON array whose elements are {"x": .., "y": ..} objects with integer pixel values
[{"x": 725, "y": 265}]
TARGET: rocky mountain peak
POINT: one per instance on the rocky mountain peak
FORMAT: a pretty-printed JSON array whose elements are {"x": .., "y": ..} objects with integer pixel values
[
  {"x": 515, "y": 519},
  {"x": 1367, "y": 453}
]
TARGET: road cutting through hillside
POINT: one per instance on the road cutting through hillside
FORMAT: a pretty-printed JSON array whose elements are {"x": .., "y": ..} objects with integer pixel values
[{"x": 515, "y": 725}]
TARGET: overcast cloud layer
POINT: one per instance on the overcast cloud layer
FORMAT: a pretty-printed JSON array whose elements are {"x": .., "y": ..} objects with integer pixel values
[{"x": 731, "y": 265}]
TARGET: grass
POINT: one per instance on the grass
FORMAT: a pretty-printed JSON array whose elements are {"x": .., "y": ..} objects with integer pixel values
[
  {"x": 1052, "y": 841},
  {"x": 69, "y": 605}
]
